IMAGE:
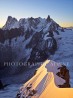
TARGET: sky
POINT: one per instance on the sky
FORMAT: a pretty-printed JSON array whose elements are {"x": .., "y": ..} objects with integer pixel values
[{"x": 59, "y": 10}]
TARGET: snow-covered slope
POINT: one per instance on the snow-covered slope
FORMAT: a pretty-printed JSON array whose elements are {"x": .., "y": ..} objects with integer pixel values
[
  {"x": 64, "y": 53},
  {"x": 44, "y": 84},
  {"x": 11, "y": 23},
  {"x": 10, "y": 91}
]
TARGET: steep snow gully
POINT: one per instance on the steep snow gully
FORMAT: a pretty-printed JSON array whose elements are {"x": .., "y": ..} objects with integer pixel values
[{"x": 64, "y": 53}]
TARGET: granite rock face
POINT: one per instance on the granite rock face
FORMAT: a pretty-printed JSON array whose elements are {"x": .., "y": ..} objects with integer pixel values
[{"x": 64, "y": 73}]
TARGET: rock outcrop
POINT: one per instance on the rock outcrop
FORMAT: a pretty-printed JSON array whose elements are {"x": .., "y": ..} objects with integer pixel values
[
  {"x": 2, "y": 86},
  {"x": 64, "y": 73}
]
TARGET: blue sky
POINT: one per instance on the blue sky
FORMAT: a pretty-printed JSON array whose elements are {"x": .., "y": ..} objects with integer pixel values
[{"x": 60, "y": 10}]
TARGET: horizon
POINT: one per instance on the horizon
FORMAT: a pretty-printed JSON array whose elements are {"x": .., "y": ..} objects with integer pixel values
[{"x": 59, "y": 10}]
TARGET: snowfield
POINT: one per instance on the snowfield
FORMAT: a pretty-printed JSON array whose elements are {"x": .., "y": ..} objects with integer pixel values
[
  {"x": 64, "y": 53},
  {"x": 43, "y": 84}
]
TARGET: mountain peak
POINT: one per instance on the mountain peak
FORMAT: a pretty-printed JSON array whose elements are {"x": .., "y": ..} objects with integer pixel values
[
  {"x": 10, "y": 23},
  {"x": 48, "y": 18},
  {"x": 9, "y": 17}
]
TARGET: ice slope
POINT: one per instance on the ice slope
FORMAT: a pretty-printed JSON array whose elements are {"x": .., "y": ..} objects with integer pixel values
[
  {"x": 44, "y": 82},
  {"x": 64, "y": 53}
]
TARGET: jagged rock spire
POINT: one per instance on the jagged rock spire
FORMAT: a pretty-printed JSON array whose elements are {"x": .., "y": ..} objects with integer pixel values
[{"x": 48, "y": 18}]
